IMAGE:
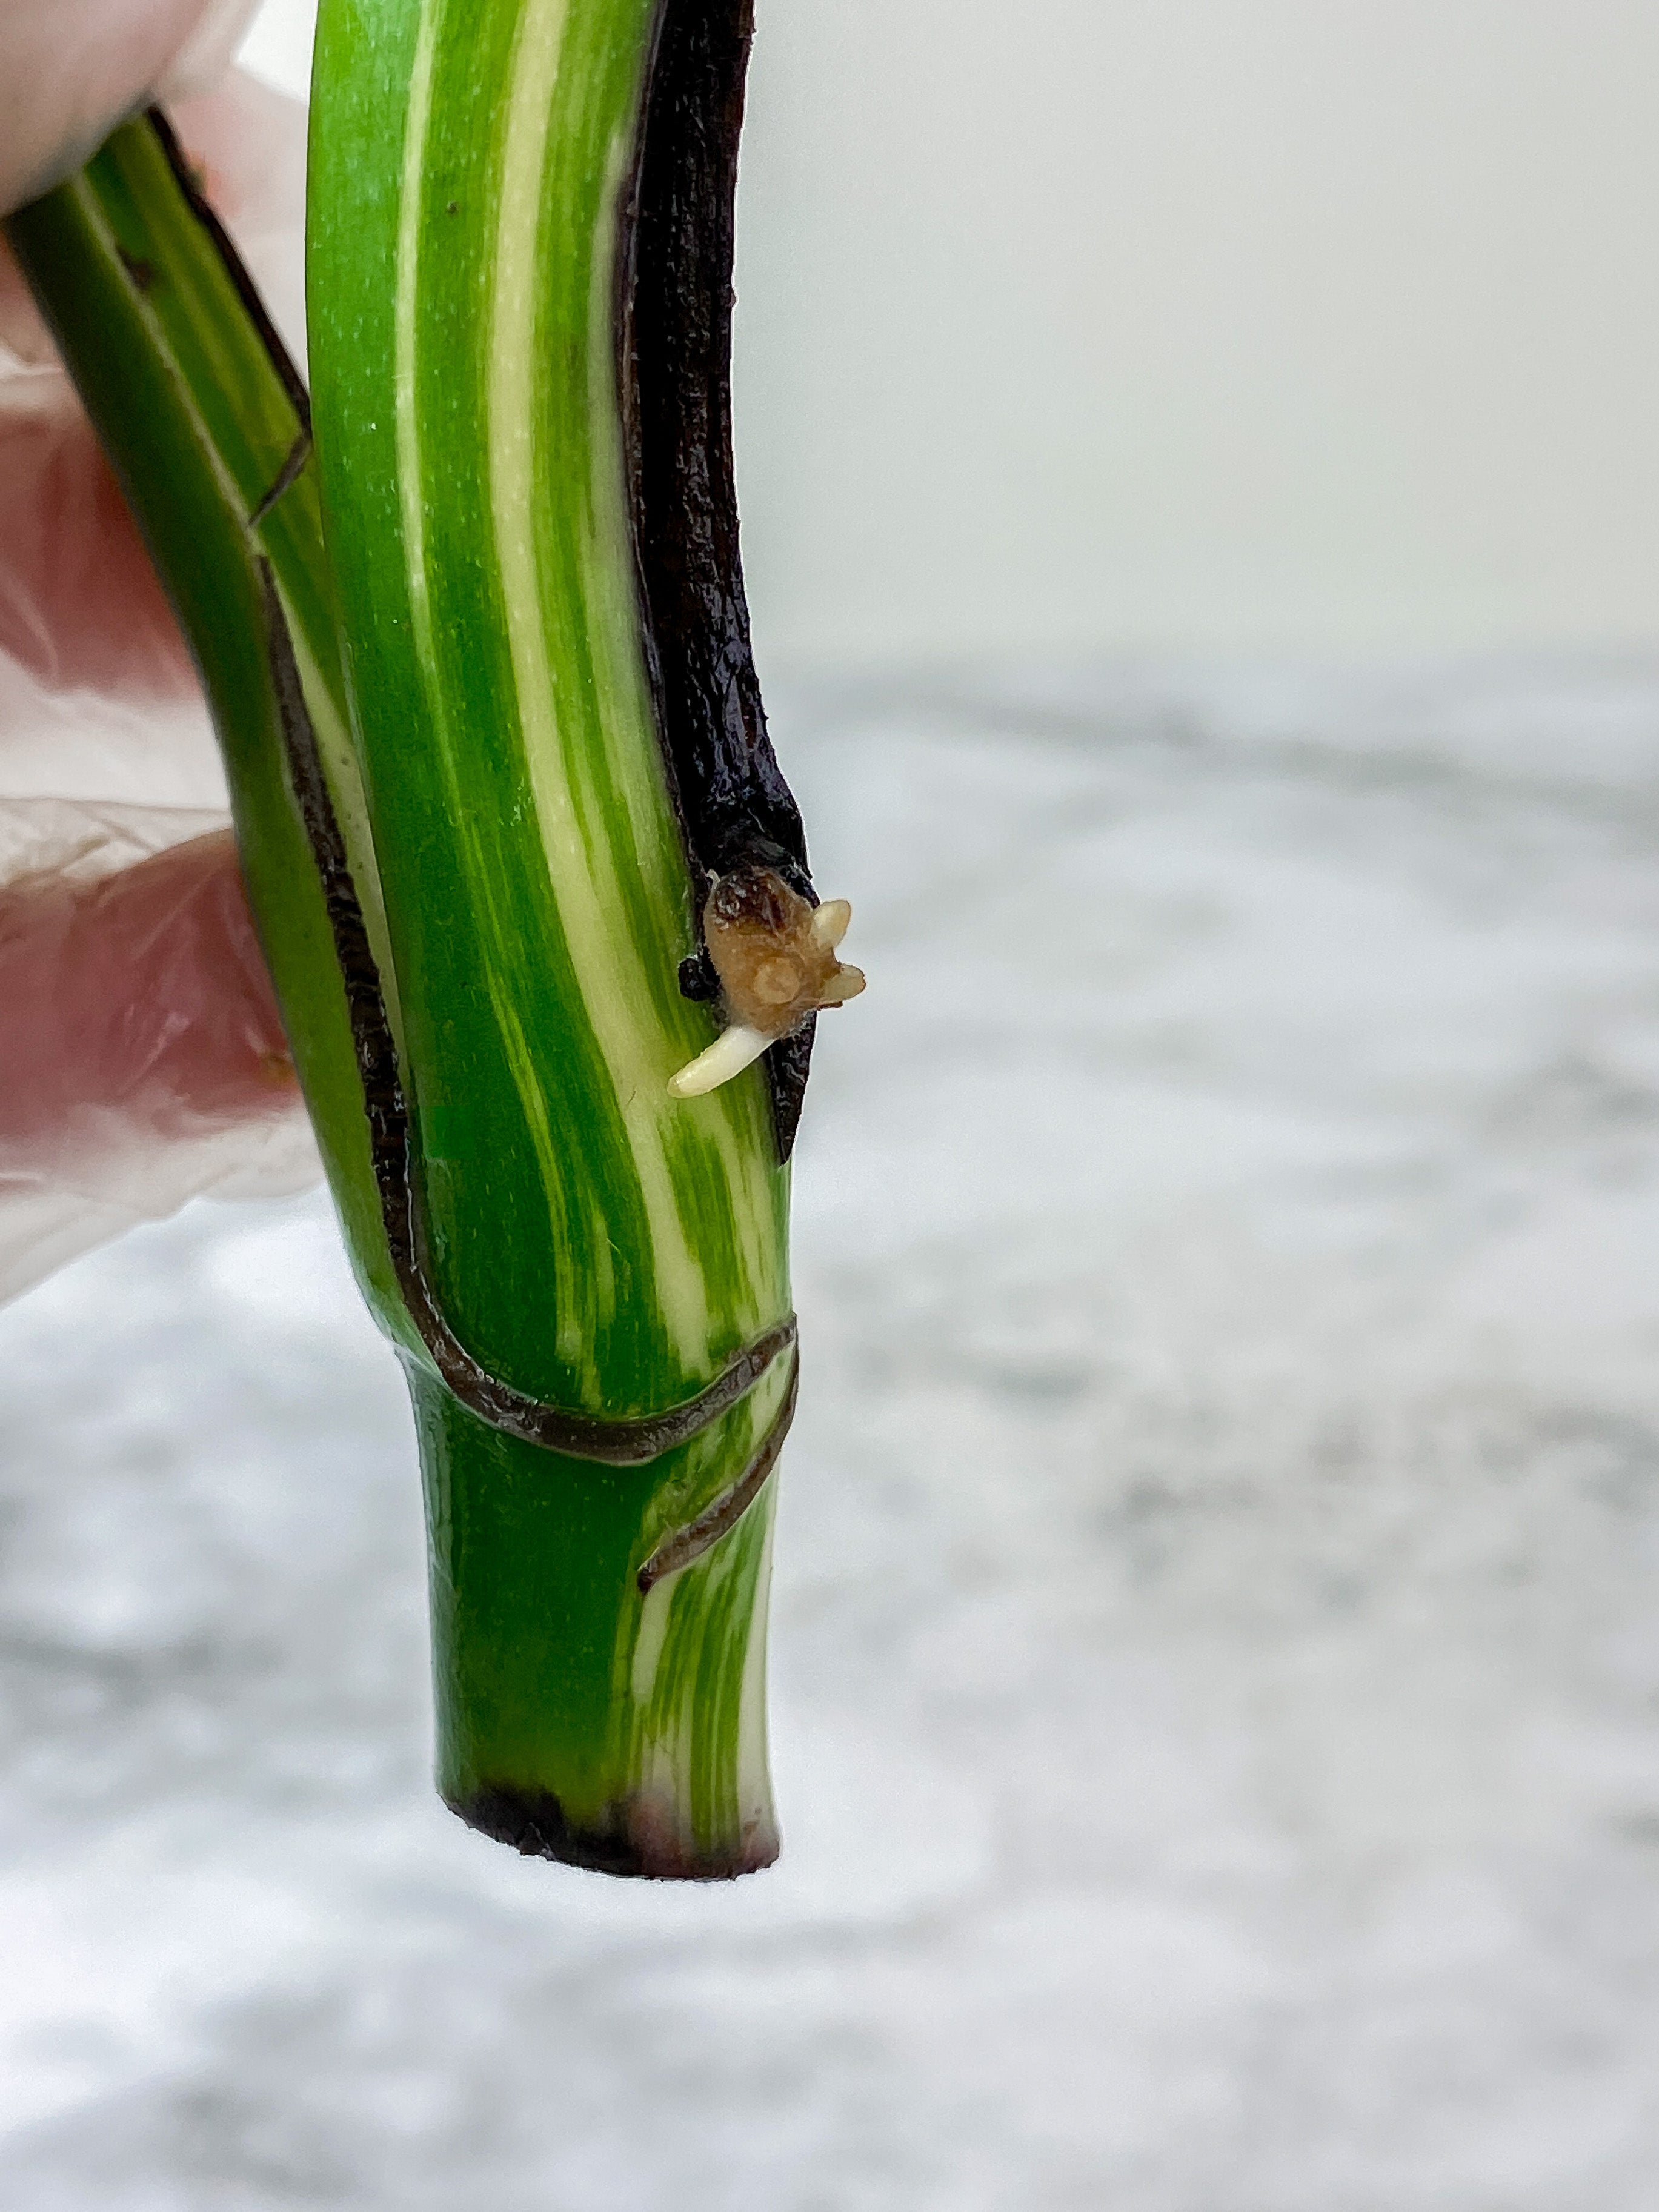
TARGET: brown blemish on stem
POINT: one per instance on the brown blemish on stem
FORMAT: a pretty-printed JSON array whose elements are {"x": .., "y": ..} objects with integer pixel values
[{"x": 141, "y": 272}]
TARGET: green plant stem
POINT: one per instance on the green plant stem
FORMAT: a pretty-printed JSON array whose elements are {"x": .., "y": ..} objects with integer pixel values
[
  {"x": 199, "y": 422},
  {"x": 463, "y": 853},
  {"x": 593, "y": 1241}
]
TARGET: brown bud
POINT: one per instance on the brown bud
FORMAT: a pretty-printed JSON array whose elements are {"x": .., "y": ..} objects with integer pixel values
[{"x": 775, "y": 954}]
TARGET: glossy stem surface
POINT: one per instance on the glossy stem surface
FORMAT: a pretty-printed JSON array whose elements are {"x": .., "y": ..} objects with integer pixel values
[
  {"x": 429, "y": 685},
  {"x": 593, "y": 1242}
]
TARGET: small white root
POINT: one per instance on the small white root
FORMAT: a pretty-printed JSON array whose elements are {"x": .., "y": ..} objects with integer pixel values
[{"x": 732, "y": 1051}]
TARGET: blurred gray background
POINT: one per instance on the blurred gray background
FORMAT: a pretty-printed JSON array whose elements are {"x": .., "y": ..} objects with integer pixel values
[
  {"x": 1199, "y": 470},
  {"x": 1303, "y": 325}
]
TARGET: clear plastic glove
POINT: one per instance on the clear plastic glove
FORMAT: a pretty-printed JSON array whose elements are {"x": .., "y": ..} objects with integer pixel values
[{"x": 142, "y": 1057}]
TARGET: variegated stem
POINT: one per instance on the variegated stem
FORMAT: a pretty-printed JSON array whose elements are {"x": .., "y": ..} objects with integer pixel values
[
  {"x": 204, "y": 418},
  {"x": 464, "y": 852},
  {"x": 594, "y": 1242}
]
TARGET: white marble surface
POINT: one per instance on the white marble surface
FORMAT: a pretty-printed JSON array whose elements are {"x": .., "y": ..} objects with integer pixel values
[{"x": 1216, "y": 1662}]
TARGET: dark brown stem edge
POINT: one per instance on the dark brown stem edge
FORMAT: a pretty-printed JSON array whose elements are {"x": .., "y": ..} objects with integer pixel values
[{"x": 673, "y": 314}]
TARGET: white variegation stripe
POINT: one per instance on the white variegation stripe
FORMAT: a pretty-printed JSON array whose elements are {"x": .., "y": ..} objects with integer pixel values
[
  {"x": 614, "y": 989},
  {"x": 665, "y": 1687}
]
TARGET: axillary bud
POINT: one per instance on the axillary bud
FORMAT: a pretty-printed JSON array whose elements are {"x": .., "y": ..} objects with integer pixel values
[{"x": 776, "y": 954}]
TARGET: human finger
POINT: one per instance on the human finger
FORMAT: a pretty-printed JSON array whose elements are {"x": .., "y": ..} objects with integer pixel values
[
  {"x": 96, "y": 692},
  {"x": 134, "y": 1009},
  {"x": 68, "y": 73}
]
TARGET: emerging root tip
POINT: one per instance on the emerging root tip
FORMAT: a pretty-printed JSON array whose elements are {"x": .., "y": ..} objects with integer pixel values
[
  {"x": 830, "y": 923},
  {"x": 846, "y": 983},
  {"x": 737, "y": 1048},
  {"x": 775, "y": 956}
]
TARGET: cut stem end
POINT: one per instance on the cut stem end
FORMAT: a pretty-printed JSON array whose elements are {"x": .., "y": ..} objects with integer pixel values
[{"x": 634, "y": 1842}]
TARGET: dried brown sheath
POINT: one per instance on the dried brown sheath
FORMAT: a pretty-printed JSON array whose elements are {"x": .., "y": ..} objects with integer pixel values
[{"x": 674, "y": 301}]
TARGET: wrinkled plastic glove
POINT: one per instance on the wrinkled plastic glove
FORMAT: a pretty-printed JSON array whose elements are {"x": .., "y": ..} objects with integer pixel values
[{"x": 142, "y": 1061}]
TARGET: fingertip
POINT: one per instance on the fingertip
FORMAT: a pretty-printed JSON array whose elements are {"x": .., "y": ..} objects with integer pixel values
[
  {"x": 70, "y": 72},
  {"x": 81, "y": 606},
  {"x": 139, "y": 1008}
]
